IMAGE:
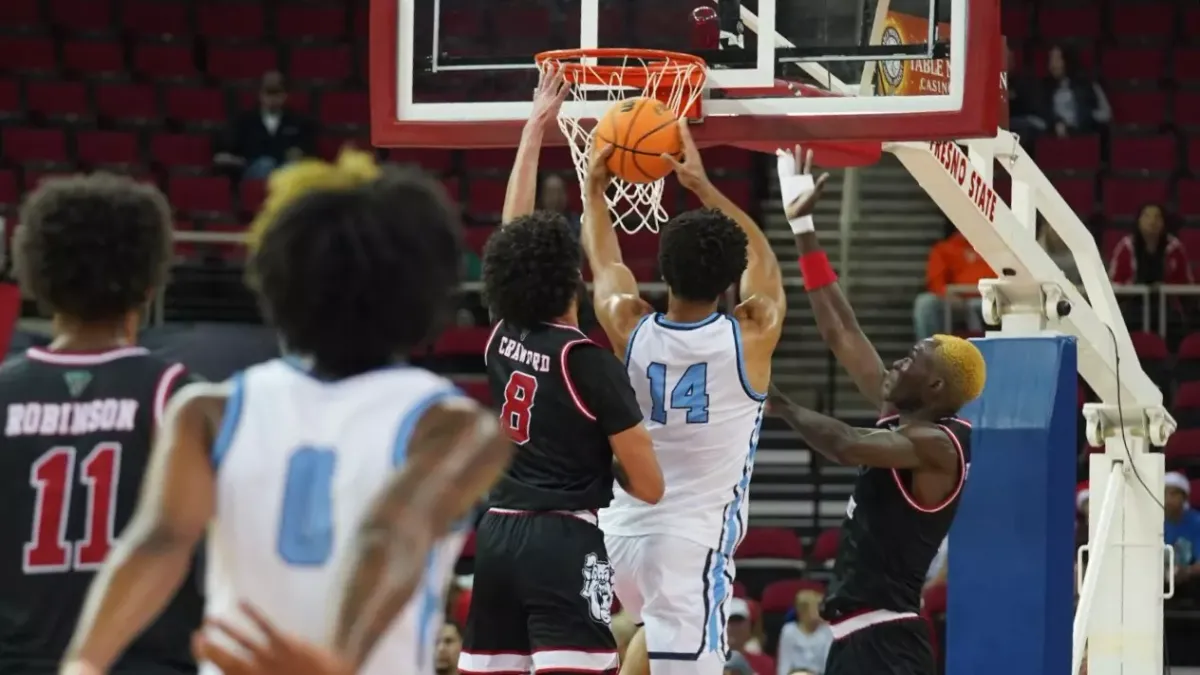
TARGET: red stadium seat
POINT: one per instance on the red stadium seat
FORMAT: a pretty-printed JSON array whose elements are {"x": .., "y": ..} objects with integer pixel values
[
  {"x": 1183, "y": 446},
  {"x": 10, "y": 99},
  {"x": 1069, "y": 23},
  {"x": 231, "y": 20},
  {"x": 1079, "y": 193},
  {"x": 10, "y": 193},
  {"x": 58, "y": 99},
  {"x": 485, "y": 197},
  {"x": 239, "y": 63},
  {"x": 127, "y": 102},
  {"x": 155, "y": 18},
  {"x": 302, "y": 22},
  {"x": 760, "y": 663},
  {"x": 20, "y": 14},
  {"x": 1124, "y": 197},
  {"x": 82, "y": 16},
  {"x": 1191, "y": 20},
  {"x": 468, "y": 341},
  {"x": 1186, "y": 65},
  {"x": 1144, "y": 155},
  {"x": 206, "y": 195},
  {"x": 181, "y": 150},
  {"x": 1074, "y": 153},
  {"x": 251, "y": 195},
  {"x": 1188, "y": 190},
  {"x": 34, "y": 145},
  {"x": 1149, "y": 346},
  {"x": 476, "y": 237},
  {"x": 1187, "y": 365},
  {"x": 726, "y": 159},
  {"x": 1186, "y": 407},
  {"x": 770, "y": 542},
  {"x": 780, "y": 596},
  {"x": 1143, "y": 21},
  {"x": 162, "y": 61},
  {"x": 93, "y": 57},
  {"x": 1014, "y": 24},
  {"x": 346, "y": 109},
  {"x": 476, "y": 389},
  {"x": 27, "y": 54},
  {"x": 1186, "y": 112},
  {"x": 825, "y": 548},
  {"x": 98, "y": 148},
  {"x": 329, "y": 64},
  {"x": 1147, "y": 64},
  {"x": 1138, "y": 109},
  {"x": 196, "y": 106}
]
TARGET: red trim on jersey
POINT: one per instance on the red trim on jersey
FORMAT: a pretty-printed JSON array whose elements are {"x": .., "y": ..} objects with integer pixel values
[
  {"x": 962, "y": 478},
  {"x": 488, "y": 345},
  {"x": 888, "y": 418},
  {"x": 566, "y": 373},
  {"x": 83, "y": 358},
  {"x": 162, "y": 392}
]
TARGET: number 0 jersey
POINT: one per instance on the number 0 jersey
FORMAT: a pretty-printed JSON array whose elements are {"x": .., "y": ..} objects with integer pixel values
[
  {"x": 888, "y": 540},
  {"x": 299, "y": 462},
  {"x": 78, "y": 429},
  {"x": 704, "y": 418}
]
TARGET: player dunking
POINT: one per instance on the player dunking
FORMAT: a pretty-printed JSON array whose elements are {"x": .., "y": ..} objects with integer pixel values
[
  {"x": 912, "y": 468},
  {"x": 700, "y": 377},
  {"x": 79, "y": 418},
  {"x": 542, "y": 590},
  {"x": 338, "y": 458}
]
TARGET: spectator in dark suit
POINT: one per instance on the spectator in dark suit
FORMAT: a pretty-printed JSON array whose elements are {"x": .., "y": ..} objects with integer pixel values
[
  {"x": 1076, "y": 104},
  {"x": 262, "y": 140}
]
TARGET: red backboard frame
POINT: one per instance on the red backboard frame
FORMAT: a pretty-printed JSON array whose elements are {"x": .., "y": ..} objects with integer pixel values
[{"x": 976, "y": 119}]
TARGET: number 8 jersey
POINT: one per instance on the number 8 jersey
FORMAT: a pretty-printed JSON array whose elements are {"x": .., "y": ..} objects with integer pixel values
[{"x": 704, "y": 417}]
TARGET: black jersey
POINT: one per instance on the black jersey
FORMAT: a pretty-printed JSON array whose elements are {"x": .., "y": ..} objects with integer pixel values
[
  {"x": 561, "y": 396},
  {"x": 78, "y": 429},
  {"x": 888, "y": 541}
]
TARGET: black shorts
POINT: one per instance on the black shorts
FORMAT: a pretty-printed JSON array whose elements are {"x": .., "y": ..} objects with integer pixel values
[
  {"x": 893, "y": 648},
  {"x": 542, "y": 596}
]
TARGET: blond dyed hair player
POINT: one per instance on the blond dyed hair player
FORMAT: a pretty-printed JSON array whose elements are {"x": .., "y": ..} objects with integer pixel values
[
  {"x": 911, "y": 468},
  {"x": 701, "y": 377}
]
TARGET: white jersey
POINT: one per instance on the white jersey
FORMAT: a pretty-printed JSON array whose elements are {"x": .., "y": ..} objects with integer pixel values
[
  {"x": 704, "y": 418},
  {"x": 299, "y": 461}
]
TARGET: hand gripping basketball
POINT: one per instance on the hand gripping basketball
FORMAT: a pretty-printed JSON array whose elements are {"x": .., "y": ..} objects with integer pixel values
[
  {"x": 800, "y": 193},
  {"x": 691, "y": 171}
]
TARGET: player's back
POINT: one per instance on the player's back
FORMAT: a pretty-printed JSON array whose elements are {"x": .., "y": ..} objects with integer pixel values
[
  {"x": 704, "y": 418},
  {"x": 299, "y": 462},
  {"x": 78, "y": 431}
]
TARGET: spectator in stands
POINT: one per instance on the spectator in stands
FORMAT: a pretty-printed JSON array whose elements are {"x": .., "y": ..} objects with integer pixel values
[
  {"x": 552, "y": 196},
  {"x": 1076, "y": 104},
  {"x": 264, "y": 139},
  {"x": 1026, "y": 107},
  {"x": 952, "y": 262},
  {"x": 1150, "y": 255},
  {"x": 448, "y": 646},
  {"x": 804, "y": 643},
  {"x": 740, "y": 628},
  {"x": 1182, "y": 529}
]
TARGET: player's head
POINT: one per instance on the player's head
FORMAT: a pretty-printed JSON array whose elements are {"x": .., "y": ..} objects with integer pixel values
[
  {"x": 354, "y": 265},
  {"x": 93, "y": 249},
  {"x": 940, "y": 375},
  {"x": 701, "y": 254},
  {"x": 449, "y": 646},
  {"x": 531, "y": 270}
]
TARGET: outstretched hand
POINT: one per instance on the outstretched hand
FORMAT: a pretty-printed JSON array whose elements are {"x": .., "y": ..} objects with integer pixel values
[
  {"x": 691, "y": 170},
  {"x": 548, "y": 97},
  {"x": 798, "y": 162},
  {"x": 280, "y": 655}
]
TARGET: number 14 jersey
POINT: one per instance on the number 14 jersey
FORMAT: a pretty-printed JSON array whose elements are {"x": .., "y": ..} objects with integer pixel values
[{"x": 704, "y": 418}]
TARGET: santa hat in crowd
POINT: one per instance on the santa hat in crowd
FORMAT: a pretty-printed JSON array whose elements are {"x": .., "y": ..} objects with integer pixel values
[
  {"x": 1176, "y": 480},
  {"x": 1082, "y": 495}
]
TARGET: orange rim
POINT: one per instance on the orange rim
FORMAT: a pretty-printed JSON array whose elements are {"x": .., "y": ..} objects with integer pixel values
[{"x": 673, "y": 66}]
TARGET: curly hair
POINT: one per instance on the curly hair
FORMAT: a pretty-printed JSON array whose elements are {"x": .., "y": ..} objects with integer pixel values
[
  {"x": 701, "y": 253},
  {"x": 356, "y": 271},
  {"x": 531, "y": 269},
  {"x": 94, "y": 247}
]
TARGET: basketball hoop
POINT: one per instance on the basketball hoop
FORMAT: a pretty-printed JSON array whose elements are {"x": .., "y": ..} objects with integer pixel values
[{"x": 675, "y": 79}]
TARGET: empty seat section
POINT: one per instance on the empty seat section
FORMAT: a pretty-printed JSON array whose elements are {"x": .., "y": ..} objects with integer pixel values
[
  {"x": 1074, "y": 153},
  {"x": 300, "y": 22},
  {"x": 1069, "y": 23},
  {"x": 126, "y": 102},
  {"x": 251, "y": 195},
  {"x": 230, "y": 20},
  {"x": 1142, "y": 21},
  {"x": 27, "y": 54},
  {"x": 34, "y": 145},
  {"x": 432, "y": 160},
  {"x": 1144, "y": 154},
  {"x": 21, "y": 14},
  {"x": 1079, "y": 193},
  {"x": 320, "y": 63},
  {"x": 1146, "y": 64},
  {"x": 155, "y": 18},
  {"x": 1136, "y": 109},
  {"x": 241, "y": 62},
  {"x": 82, "y": 16},
  {"x": 485, "y": 197},
  {"x": 57, "y": 99},
  {"x": 1186, "y": 66},
  {"x": 344, "y": 108},
  {"x": 106, "y": 147},
  {"x": 1124, "y": 197},
  {"x": 10, "y": 99},
  {"x": 197, "y": 106},
  {"x": 1186, "y": 112},
  {"x": 181, "y": 150},
  {"x": 93, "y": 57},
  {"x": 164, "y": 61},
  {"x": 200, "y": 195}
]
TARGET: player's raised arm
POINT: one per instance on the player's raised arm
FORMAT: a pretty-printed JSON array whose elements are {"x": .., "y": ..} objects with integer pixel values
[
  {"x": 521, "y": 195},
  {"x": 614, "y": 289},
  {"x": 835, "y": 319},
  {"x": 152, "y": 559},
  {"x": 456, "y": 453},
  {"x": 763, "y": 304},
  {"x": 909, "y": 447}
]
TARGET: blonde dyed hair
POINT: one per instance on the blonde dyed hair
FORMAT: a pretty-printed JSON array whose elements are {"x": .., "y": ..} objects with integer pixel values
[
  {"x": 963, "y": 367},
  {"x": 352, "y": 169}
]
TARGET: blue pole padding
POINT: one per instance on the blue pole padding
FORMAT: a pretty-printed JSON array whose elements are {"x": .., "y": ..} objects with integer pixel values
[{"x": 1011, "y": 549}]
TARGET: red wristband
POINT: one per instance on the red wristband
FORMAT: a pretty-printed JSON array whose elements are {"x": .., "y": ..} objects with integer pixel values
[{"x": 816, "y": 270}]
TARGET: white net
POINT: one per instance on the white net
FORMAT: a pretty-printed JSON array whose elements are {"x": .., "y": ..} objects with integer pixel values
[{"x": 677, "y": 82}]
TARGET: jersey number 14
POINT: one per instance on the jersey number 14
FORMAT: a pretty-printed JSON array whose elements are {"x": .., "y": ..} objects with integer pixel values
[{"x": 690, "y": 393}]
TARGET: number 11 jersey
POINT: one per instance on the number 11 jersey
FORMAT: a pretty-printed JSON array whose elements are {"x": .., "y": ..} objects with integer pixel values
[{"x": 704, "y": 418}]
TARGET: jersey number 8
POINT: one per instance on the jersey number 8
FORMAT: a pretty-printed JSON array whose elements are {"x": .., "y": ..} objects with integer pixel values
[
  {"x": 690, "y": 393},
  {"x": 517, "y": 411}
]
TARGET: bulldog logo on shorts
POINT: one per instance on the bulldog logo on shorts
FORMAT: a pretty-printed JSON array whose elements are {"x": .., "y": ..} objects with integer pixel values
[{"x": 597, "y": 588}]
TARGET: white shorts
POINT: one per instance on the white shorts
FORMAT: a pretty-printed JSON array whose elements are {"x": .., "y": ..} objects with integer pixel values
[{"x": 680, "y": 591}]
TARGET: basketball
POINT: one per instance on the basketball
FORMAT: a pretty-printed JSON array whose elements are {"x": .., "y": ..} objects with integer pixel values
[{"x": 641, "y": 130}]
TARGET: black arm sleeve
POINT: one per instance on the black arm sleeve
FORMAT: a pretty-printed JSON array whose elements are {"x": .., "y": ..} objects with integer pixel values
[{"x": 600, "y": 380}]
